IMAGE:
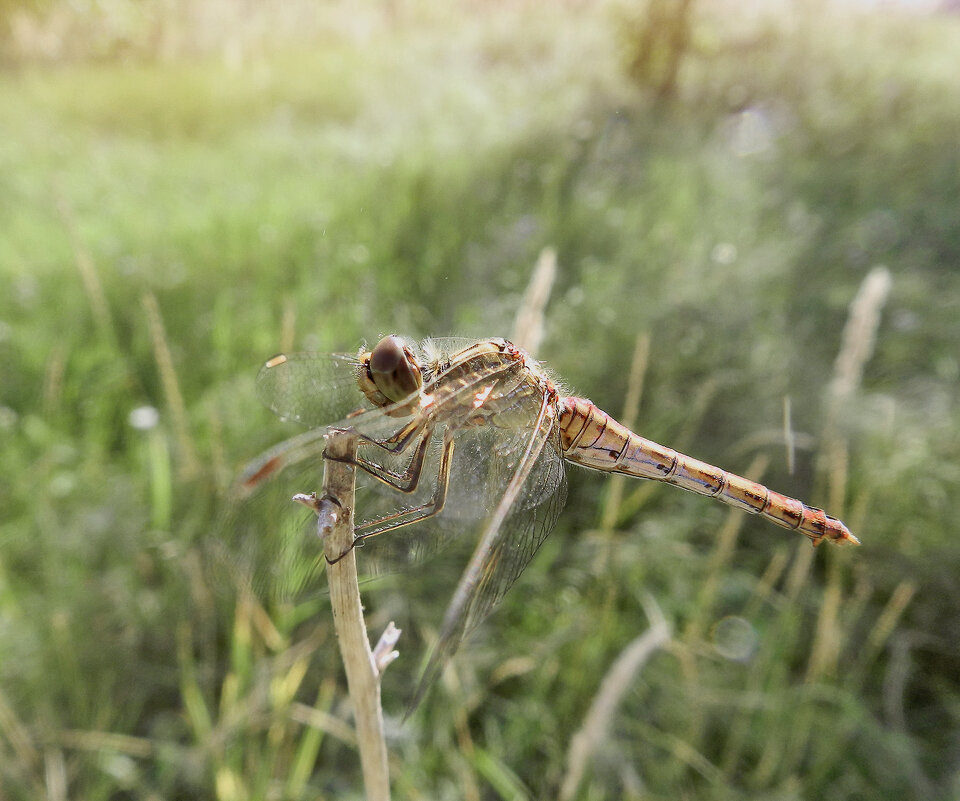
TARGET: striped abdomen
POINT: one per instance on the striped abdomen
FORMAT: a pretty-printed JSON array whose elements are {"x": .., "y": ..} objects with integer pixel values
[{"x": 590, "y": 437}]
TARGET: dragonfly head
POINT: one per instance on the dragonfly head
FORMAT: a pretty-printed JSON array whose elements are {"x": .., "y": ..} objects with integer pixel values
[{"x": 390, "y": 372}]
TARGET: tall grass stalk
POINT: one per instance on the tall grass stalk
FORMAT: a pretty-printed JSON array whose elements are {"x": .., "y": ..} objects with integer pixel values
[
  {"x": 189, "y": 465},
  {"x": 859, "y": 337},
  {"x": 610, "y": 515},
  {"x": 92, "y": 286},
  {"x": 161, "y": 483},
  {"x": 528, "y": 324},
  {"x": 594, "y": 731}
]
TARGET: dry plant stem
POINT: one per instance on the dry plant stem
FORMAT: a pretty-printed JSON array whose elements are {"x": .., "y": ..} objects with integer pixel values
[
  {"x": 189, "y": 464},
  {"x": 335, "y": 524},
  {"x": 528, "y": 325},
  {"x": 87, "y": 268}
]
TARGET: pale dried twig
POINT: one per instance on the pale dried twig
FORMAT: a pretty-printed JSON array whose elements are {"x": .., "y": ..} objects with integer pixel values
[
  {"x": 528, "y": 326},
  {"x": 618, "y": 679},
  {"x": 384, "y": 652},
  {"x": 859, "y": 338},
  {"x": 335, "y": 514},
  {"x": 859, "y": 335}
]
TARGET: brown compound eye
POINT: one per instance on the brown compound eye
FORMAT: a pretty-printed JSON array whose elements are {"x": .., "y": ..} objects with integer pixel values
[{"x": 394, "y": 369}]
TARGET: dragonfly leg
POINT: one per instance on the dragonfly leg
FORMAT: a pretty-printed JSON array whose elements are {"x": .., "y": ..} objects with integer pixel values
[
  {"x": 409, "y": 479},
  {"x": 399, "y": 441},
  {"x": 417, "y": 513}
]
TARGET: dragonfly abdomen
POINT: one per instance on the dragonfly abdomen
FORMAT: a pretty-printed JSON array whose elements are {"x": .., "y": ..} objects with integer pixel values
[{"x": 590, "y": 437}]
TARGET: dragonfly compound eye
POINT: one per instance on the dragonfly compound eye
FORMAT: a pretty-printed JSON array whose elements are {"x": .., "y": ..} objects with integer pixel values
[{"x": 394, "y": 369}]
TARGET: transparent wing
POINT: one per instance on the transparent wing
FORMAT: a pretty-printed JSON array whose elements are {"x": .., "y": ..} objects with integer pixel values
[
  {"x": 317, "y": 389},
  {"x": 532, "y": 489},
  {"x": 310, "y": 388},
  {"x": 322, "y": 391},
  {"x": 276, "y": 540},
  {"x": 484, "y": 461}
]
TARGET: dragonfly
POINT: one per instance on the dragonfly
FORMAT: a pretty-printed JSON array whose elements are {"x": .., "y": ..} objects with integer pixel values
[{"x": 477, "y": 430}]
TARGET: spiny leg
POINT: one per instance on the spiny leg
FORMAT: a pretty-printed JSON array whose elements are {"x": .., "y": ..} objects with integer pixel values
[
  {"x": 420, "y": 427},
  {"x": 407, "y": 480},
  {"x": 415, "y": 514},
  {"x": 398, "y": 441}
]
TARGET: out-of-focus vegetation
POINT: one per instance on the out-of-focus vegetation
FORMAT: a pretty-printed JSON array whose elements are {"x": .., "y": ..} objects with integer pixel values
[{"x": 186, "y": 188}]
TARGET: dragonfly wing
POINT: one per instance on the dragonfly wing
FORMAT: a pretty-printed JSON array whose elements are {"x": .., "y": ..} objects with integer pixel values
[
  {"x": 267, "y": 543},
  {"x": 316, "y": 389},
  {"x": 308, "y": 446},
  {"x": 319, "y": 391},
  {"x": 322, "y": 391},
  {"x": 310, "y": 388},
  {"x": 529, "y": 504},
  {"x": 481, "y": 468}
]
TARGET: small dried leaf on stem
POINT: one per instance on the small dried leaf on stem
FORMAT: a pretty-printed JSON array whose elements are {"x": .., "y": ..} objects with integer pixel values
[{"x": 384, "y": 652}]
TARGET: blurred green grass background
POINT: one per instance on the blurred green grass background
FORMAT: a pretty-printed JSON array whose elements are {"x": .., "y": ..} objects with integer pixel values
[{"x": 186, "y": 189}]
